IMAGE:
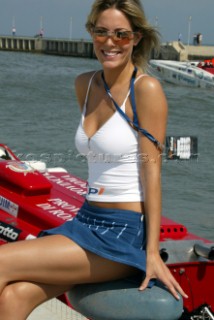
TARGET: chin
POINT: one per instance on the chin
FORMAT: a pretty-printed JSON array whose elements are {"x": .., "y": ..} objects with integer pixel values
[{"x": 111, "y": 64}]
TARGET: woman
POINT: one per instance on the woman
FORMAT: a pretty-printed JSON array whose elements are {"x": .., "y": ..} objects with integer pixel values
[{"x": 107, "y": 239}]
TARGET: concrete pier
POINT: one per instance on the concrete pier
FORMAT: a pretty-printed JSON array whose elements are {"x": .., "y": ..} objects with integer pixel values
[
  {"x": 64, "y": 47},
  {"x": 78, "y": 48},
  {"x": 84, "y": 48},
  {"x": 178, "y": 51},
  {"x": 17, "y": 44}
]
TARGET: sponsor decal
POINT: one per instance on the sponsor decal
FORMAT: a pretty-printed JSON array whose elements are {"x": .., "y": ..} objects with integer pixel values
[
  {"x": 59, "y": 208},
  {"x": 20, "y": 167},
  {"x": 97, "y": 191},
  {"x": 8, "y": 232},
  {"x": 186, "y": 79},
  {"x": 70, "y": 183},
  {"x": 9, "y": 206}
]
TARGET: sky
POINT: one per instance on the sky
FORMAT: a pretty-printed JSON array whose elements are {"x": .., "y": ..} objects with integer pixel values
[{"x": 66, "y": 18}]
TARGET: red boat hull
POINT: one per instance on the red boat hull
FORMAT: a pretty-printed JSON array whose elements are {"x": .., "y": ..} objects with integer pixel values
[{"x": 31, "y": 201}]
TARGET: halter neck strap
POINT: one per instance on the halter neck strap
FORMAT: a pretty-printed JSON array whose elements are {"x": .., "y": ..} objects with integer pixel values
[{"x": 134, "y": 123}]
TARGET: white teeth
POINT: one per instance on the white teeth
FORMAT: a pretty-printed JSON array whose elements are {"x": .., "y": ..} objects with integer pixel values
[{"x": 110, "y": 53}]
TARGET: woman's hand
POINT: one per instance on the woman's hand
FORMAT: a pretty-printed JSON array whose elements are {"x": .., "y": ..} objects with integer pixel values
[{"x": 157, "y": 269}]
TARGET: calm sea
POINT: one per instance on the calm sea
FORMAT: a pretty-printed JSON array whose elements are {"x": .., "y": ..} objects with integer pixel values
[{"x": 39, "y": 116}]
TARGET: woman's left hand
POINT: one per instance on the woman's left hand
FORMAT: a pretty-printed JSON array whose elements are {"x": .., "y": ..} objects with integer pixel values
[{"x": 157, "y": 269}]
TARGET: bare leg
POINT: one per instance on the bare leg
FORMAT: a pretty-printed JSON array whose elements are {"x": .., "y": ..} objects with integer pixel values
[
  {"x": 55, "y": 260},
  {"x": 19, "y": 299},
  {"x": 37, "y": 270}
]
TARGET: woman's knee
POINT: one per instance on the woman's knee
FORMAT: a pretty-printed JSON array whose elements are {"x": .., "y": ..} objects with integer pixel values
[{"x": 14, "y": 296}]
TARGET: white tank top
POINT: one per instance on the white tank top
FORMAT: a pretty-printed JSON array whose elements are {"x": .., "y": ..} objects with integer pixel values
[{"x": 112, "y": 155}]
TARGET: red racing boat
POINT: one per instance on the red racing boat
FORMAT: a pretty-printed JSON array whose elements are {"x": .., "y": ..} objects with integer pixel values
[
  {"x": 33, "y": 198},
  {"x": 207, "y": 65}
]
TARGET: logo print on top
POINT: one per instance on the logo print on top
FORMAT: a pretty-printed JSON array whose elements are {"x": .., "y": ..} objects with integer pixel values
[{"x": 95, "y": 191}]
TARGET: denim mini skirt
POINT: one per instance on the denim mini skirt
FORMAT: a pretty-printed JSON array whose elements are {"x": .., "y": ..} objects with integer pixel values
[{"x": 114, "y": 234}]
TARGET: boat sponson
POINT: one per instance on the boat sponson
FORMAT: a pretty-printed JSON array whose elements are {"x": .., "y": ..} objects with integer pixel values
[{"x": 121, "y": 300}]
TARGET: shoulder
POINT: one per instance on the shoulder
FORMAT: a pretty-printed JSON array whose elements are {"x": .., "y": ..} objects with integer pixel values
[
  {"x": 81, "y": 86},
  {"x": 149, "y": 94},
  {"x": 148, "y": 84},
  {"x": 151, "y": 105},
  {"x": 83, "y": 78}
]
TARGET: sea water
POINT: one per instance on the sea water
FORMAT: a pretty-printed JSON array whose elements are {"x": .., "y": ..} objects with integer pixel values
[{"x": 39, "y": 115}]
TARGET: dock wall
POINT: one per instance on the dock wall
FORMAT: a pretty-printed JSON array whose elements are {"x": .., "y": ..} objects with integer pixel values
[
  {"x": 65, "y": 47},
  {"x": 180, "y": 52},
  {"x": 84, "y": 48}
]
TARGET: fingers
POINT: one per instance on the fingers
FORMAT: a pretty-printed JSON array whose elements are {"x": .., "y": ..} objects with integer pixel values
[
  {"x": 170, "y": 282},
  {"x": 144, "y": 284},
  {"x": 173, "y": 291},
  {"x": 175, "y": 288},
  {"x": 157, "y": 269}
]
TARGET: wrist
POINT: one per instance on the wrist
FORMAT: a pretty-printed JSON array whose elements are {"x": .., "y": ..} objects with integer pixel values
[{"x": 152, "y": 251}]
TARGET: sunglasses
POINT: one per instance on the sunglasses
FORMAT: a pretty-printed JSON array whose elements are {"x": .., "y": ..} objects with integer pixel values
[{"x": 121, "y": 36}]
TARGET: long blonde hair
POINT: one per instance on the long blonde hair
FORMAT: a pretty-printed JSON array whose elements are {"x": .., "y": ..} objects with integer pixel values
[{"x": 134, "y": 12}]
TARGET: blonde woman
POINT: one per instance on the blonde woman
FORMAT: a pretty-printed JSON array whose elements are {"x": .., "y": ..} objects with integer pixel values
[{"x": 116, "y": 232}]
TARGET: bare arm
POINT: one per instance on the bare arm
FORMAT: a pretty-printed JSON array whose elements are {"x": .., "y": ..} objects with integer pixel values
[{"x": 152, "y": 115}]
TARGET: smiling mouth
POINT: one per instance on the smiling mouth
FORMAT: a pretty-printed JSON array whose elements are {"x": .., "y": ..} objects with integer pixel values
[{"x": 110, "y": 53}]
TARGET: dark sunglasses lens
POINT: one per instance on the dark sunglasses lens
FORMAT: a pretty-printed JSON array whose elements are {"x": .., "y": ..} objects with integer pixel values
[
  {"x": 99, "y": 35},
  {"x": 120, "y": 37}
]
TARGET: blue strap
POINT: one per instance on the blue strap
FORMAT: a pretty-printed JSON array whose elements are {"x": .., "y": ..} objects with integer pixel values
[
  {"x": 132, "y": 95},
  {"x": 134, "y": 123}
]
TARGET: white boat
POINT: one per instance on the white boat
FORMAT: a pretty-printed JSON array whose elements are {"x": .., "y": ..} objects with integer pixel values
[{"x": 191, "y": 73}]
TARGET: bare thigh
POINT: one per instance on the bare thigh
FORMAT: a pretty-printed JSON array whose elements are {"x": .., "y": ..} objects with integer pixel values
[{"x": 56, "y": 260}]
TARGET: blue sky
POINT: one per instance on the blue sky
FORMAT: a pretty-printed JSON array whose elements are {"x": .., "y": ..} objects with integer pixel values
[{"x": 66, "y": 18}]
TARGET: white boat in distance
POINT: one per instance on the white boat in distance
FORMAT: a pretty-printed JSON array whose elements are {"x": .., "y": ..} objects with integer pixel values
[{"x": 191, "y": 73}]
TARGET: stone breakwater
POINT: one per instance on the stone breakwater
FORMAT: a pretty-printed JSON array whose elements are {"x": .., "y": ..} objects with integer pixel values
[
  {"x": 178, "y": 51},
  {"x": 64, "y": 47},
  {"x": 84, "y": 48}
]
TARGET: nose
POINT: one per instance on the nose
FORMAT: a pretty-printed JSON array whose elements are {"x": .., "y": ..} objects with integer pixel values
[{"x": 109, "y": 39}]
